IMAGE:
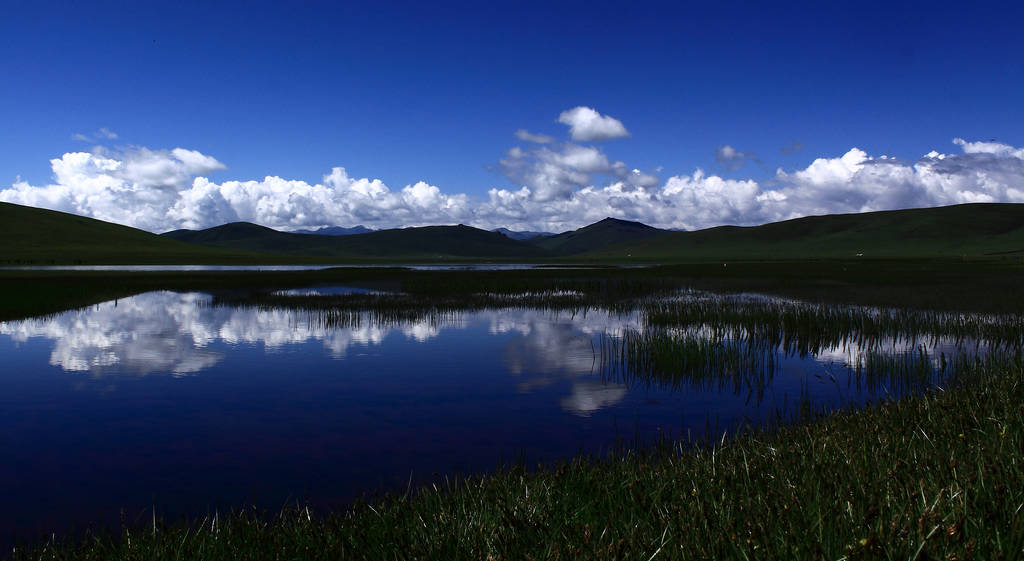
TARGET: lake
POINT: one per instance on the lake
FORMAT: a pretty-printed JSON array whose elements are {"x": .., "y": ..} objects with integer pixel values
[
  {"x": 412, "y": 266},
  {"x": 174, "y": 402}
]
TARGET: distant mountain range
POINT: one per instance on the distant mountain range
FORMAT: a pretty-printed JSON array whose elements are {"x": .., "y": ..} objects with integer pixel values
[
  {"x": 428, "y": 242},
  {"x": 360, "y": 229},
  {"x": 337, "y": 231},
  {"x": 521, "y": 235},
  {"x": 433, "y": 242},
  {"x": 40, "y": 237},
  {"x": 607, "y": 232}
]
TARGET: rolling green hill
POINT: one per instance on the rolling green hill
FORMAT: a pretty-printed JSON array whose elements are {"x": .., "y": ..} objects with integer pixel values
[
  {"x": 971, "y": 229},
  {"x": 35, "y": 236},
  {"x": 32, "y": 236},
  {"x": 429, "y": 242},
  {"x": 600, "y": 234}
]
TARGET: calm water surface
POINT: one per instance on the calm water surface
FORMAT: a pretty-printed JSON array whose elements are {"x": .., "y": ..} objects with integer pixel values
[
  {"x": 164, "y": 400},
  {"x": 415, "y": 266}
]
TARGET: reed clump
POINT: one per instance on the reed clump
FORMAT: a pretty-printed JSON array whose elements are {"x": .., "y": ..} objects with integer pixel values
[
  {"x": 709, "y": 341},
  {"x": 801, "y": 327},
  {"x": 388, "y": 309},
  {"x": 703, "y": 360}
]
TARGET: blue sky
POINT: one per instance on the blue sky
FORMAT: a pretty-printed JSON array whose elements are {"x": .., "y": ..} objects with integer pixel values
[{"x": 415, "y": 92}]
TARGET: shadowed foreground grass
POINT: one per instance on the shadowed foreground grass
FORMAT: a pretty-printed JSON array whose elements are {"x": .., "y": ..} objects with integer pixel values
[{"x": 932, "y": 476}]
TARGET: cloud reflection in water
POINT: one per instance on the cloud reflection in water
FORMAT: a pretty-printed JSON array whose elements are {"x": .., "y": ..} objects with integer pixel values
[
  {"x": 561, "y": 346},
  {"x": 172, "y": 333}
]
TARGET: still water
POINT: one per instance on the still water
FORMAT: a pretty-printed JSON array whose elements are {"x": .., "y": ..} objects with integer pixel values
[
  {"x": 163, "y": 401},
  {"x": 414, "y": 266}
]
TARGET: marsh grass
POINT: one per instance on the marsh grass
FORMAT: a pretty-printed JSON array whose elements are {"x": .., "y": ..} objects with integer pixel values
[
  {"x": 807, "y": 328},
  {"x": 701, "y": 340},
  {"x": 686, "y": 359},
  {"x": 387, "y": 310},
  {"x": 798, "y": 328},
  {"x": 710, "y": 341}
]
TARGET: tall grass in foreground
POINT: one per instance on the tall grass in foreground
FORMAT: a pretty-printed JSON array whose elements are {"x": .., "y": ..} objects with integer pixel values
[{"x": 938, "y": 475}]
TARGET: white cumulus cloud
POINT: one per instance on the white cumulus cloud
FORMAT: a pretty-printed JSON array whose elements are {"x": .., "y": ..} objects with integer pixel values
[
  {"x": 527, "y": 136},
  {"x": 160, "y": 190},
  {"x": 552, "y": 174},
  {"x": 991, "y": 147},
  {"x": 852, "y": 182},
  {"x": 732, "y": 158},
  {"x": 586, "y": 124},
  {"x": 556, "y": 187},
  {"x": 100, "y": 135}
]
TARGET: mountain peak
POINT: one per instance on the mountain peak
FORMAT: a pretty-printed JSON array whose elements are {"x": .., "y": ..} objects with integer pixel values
[
  {"x": 337, "y": 231},
  {"x": 521, "y": 235},
  {"x": 609, "y": 221},
  {"x": 599, "y": 234}
]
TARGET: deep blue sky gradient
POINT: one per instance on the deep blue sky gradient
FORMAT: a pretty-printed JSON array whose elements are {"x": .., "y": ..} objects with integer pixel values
[{"x": 434, "y": 92}]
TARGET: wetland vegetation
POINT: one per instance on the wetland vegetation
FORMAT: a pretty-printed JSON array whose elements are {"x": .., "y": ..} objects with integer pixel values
[{"x": 921, "y": 459}]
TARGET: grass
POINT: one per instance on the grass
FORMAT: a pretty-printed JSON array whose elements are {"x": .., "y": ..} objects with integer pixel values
[
  {"x": 684, "y": 360},
  {"x": 802, "y": 328},
  {"x": 937, "y": 475},
  {"x": 708, "y": 341},
  {"x": 704, "y": 341}
]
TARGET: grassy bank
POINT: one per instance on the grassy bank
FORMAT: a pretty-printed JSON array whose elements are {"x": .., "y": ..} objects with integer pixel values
[{"x": 933, "y": 476}]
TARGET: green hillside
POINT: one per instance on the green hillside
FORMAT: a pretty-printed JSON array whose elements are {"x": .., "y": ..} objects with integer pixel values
[
  {"x": 235, "y": 235},
  {"x": 429, "y": 242},
  {"x": 600, "y": 234},
  {"x": 971, "y": 229},
  {"x": 35, "y": 236}
]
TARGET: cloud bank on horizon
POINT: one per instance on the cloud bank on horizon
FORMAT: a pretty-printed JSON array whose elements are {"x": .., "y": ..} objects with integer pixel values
[{"x": 563, "y": 185}]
